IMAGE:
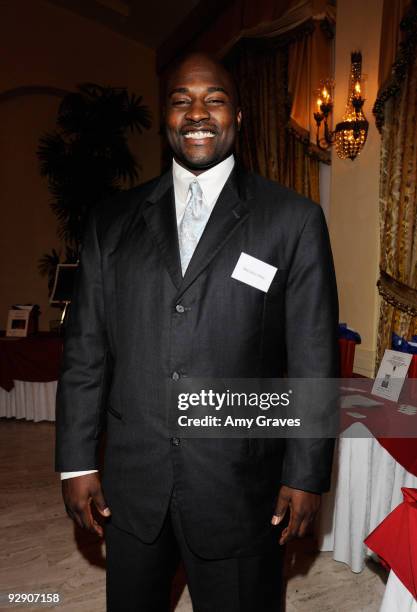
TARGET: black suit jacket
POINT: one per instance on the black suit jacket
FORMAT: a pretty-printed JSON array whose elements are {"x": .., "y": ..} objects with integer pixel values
[{"x": 125, "y": 339}]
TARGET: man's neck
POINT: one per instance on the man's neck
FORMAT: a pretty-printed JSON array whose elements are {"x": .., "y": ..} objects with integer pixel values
[{"x": 198, "y": 171}]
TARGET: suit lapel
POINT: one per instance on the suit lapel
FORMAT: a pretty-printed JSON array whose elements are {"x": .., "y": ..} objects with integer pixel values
[
  {"x": 160, "y": 217},
  {"x": 230, "y": 211}
]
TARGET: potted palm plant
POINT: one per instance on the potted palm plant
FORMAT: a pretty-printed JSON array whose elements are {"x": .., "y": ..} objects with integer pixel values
[{"x": 87, "y": 158}]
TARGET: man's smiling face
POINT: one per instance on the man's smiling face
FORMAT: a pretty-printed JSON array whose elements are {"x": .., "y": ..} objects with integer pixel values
[{"x": 201, "y": 114}]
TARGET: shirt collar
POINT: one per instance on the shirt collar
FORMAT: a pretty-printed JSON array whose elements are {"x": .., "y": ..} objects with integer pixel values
[{"x": 211, "y": 181}]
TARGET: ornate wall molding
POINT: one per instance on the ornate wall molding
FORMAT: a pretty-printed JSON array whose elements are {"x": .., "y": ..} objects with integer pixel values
[
  {"x": 30, "y": 90},
  {"x": 397, "y": 294}
]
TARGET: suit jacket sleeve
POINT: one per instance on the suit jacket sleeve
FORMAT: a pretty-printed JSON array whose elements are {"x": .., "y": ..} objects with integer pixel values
[
  {"x": 85, "y": 366},
  {"x": 312, "y": 344}
]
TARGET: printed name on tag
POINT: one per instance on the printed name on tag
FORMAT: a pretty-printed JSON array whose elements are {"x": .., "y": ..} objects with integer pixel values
[{"x": 254, "y": 272}]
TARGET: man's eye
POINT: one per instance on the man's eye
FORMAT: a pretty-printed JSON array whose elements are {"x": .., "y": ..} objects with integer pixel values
[
  {"x": 215, "y": 101},
  {"x": 179, "y": 102}
]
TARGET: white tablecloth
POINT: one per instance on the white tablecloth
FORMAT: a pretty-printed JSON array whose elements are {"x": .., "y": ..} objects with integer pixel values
[
  {"x": 396, "y": 597},
  {"x": 366, "y": 487},
  {"x": 33, "y": 401}
]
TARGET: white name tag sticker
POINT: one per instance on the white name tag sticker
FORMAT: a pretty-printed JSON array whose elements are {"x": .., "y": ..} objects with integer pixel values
[{"x": 254, "y": 272}]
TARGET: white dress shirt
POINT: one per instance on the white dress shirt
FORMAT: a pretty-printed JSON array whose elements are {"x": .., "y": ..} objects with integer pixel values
[{"x": 211, "y": 182}]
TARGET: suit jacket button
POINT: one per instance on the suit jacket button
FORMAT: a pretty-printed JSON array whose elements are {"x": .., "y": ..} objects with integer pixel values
[
  {"x": 175, "y": 441},
  {"x": 175, "y": 376},
  {"x": 179, "y": 308}
]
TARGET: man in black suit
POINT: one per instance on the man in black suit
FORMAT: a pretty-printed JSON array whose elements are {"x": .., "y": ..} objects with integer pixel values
[{"x": 155, "y": 301}]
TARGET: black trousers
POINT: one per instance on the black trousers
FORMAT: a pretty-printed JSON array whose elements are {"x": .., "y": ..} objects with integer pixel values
[{"x": 139, "y": 575}]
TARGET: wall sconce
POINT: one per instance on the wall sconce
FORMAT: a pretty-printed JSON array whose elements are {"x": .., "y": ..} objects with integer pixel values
[{"x": 350, "y": 134}]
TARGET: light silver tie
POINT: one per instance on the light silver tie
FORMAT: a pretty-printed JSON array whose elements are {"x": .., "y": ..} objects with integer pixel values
[{"x": 192, "y": 224}]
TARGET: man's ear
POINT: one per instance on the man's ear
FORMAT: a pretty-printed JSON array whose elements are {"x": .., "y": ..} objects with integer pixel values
[{"x": 239, "y": 119}]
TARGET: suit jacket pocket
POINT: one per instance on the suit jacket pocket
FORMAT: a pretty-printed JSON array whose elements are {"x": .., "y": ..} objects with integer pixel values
[{"x": 114, "y": 412}]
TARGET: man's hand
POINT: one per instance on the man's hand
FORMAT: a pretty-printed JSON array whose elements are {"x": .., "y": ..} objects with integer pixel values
[
  {"x": 78, "y": 493},
  {"x": 303, "y": 508}
]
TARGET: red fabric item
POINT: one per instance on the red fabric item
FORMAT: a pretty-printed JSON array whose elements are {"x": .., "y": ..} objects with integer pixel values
[
  {"x": 404, "y": 451},
  {"x": 32, "y": 359},
  {"x": 347, "y": 356},
  {"x": 384, "y": 418},
  {"x": 395, "y": 541},
  {"x": 412, "y": 375},
  {"x": 412, "y": 370}
]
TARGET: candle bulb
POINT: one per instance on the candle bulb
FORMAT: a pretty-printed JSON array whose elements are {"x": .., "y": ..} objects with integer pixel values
[{"x": 319, "y": 103}]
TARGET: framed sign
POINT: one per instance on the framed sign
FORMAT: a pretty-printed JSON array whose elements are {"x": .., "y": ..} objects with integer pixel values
[
  {"x": 20, "y": 322},
  {"x": 391, "y": 374}
]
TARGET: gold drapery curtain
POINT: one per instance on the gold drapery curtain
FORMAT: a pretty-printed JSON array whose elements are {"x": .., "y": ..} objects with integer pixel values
[
  {"x": 271, "y": 142},
  {"x": 391, "y": 35},
  {"x": 309, "y": 63},
  {"x": 396, "y": 114},
  {"x": 257, "y": 70}
]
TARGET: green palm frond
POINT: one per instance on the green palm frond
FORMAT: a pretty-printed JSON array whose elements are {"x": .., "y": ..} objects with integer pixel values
[
  {"x": 48, "y": 261},
  {"x": 47, "y": 265},
  {"x": 138, "y": 116},
  {"x": 88, "y": 157}
]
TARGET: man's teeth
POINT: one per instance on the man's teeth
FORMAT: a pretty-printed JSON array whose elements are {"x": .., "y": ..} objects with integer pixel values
[{"x": 198, "y": 135}]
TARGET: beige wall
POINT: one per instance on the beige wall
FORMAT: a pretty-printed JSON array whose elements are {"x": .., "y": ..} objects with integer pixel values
[
  {"x": 45, "y": 45},
  {"x": 354, "y": 221}
]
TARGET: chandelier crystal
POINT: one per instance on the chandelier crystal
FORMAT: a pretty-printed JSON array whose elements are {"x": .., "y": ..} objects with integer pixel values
[
  {"x": 350, "y": 134},
  {"x": 352, "y": 131}
]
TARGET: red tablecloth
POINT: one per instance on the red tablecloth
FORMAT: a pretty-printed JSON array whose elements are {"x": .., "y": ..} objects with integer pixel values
[
  {"x": 384, "y": 423},
  {"x": 404, "y": 451},
  {"x": 395, "y": 540},
  {"x": 33, "y": 359}
]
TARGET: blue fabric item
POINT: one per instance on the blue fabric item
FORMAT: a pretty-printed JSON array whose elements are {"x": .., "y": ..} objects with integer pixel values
[
  {"x": 348, "y": 334},
  {"x": 402, "y": 345}
]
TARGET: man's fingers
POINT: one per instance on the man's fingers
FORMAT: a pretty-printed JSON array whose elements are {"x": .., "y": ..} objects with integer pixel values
[
  {"x": 78, "y": 493},
  {"x": 291, "y": 531},
  {"x": 303, "y": 509},
  {"x": 88, "y": 522},
  {"x": 82, "y": 515},
  {"x": 98, "y": 529},
  {"x": 74, "y": 516},
  {"x": 305, "y": 526},
  {"x": 298, "y": 528},
  {"x": 83, "y": 511},
  {"x": 280, "y": 510},
  {"x": 100, "y": 503}
]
